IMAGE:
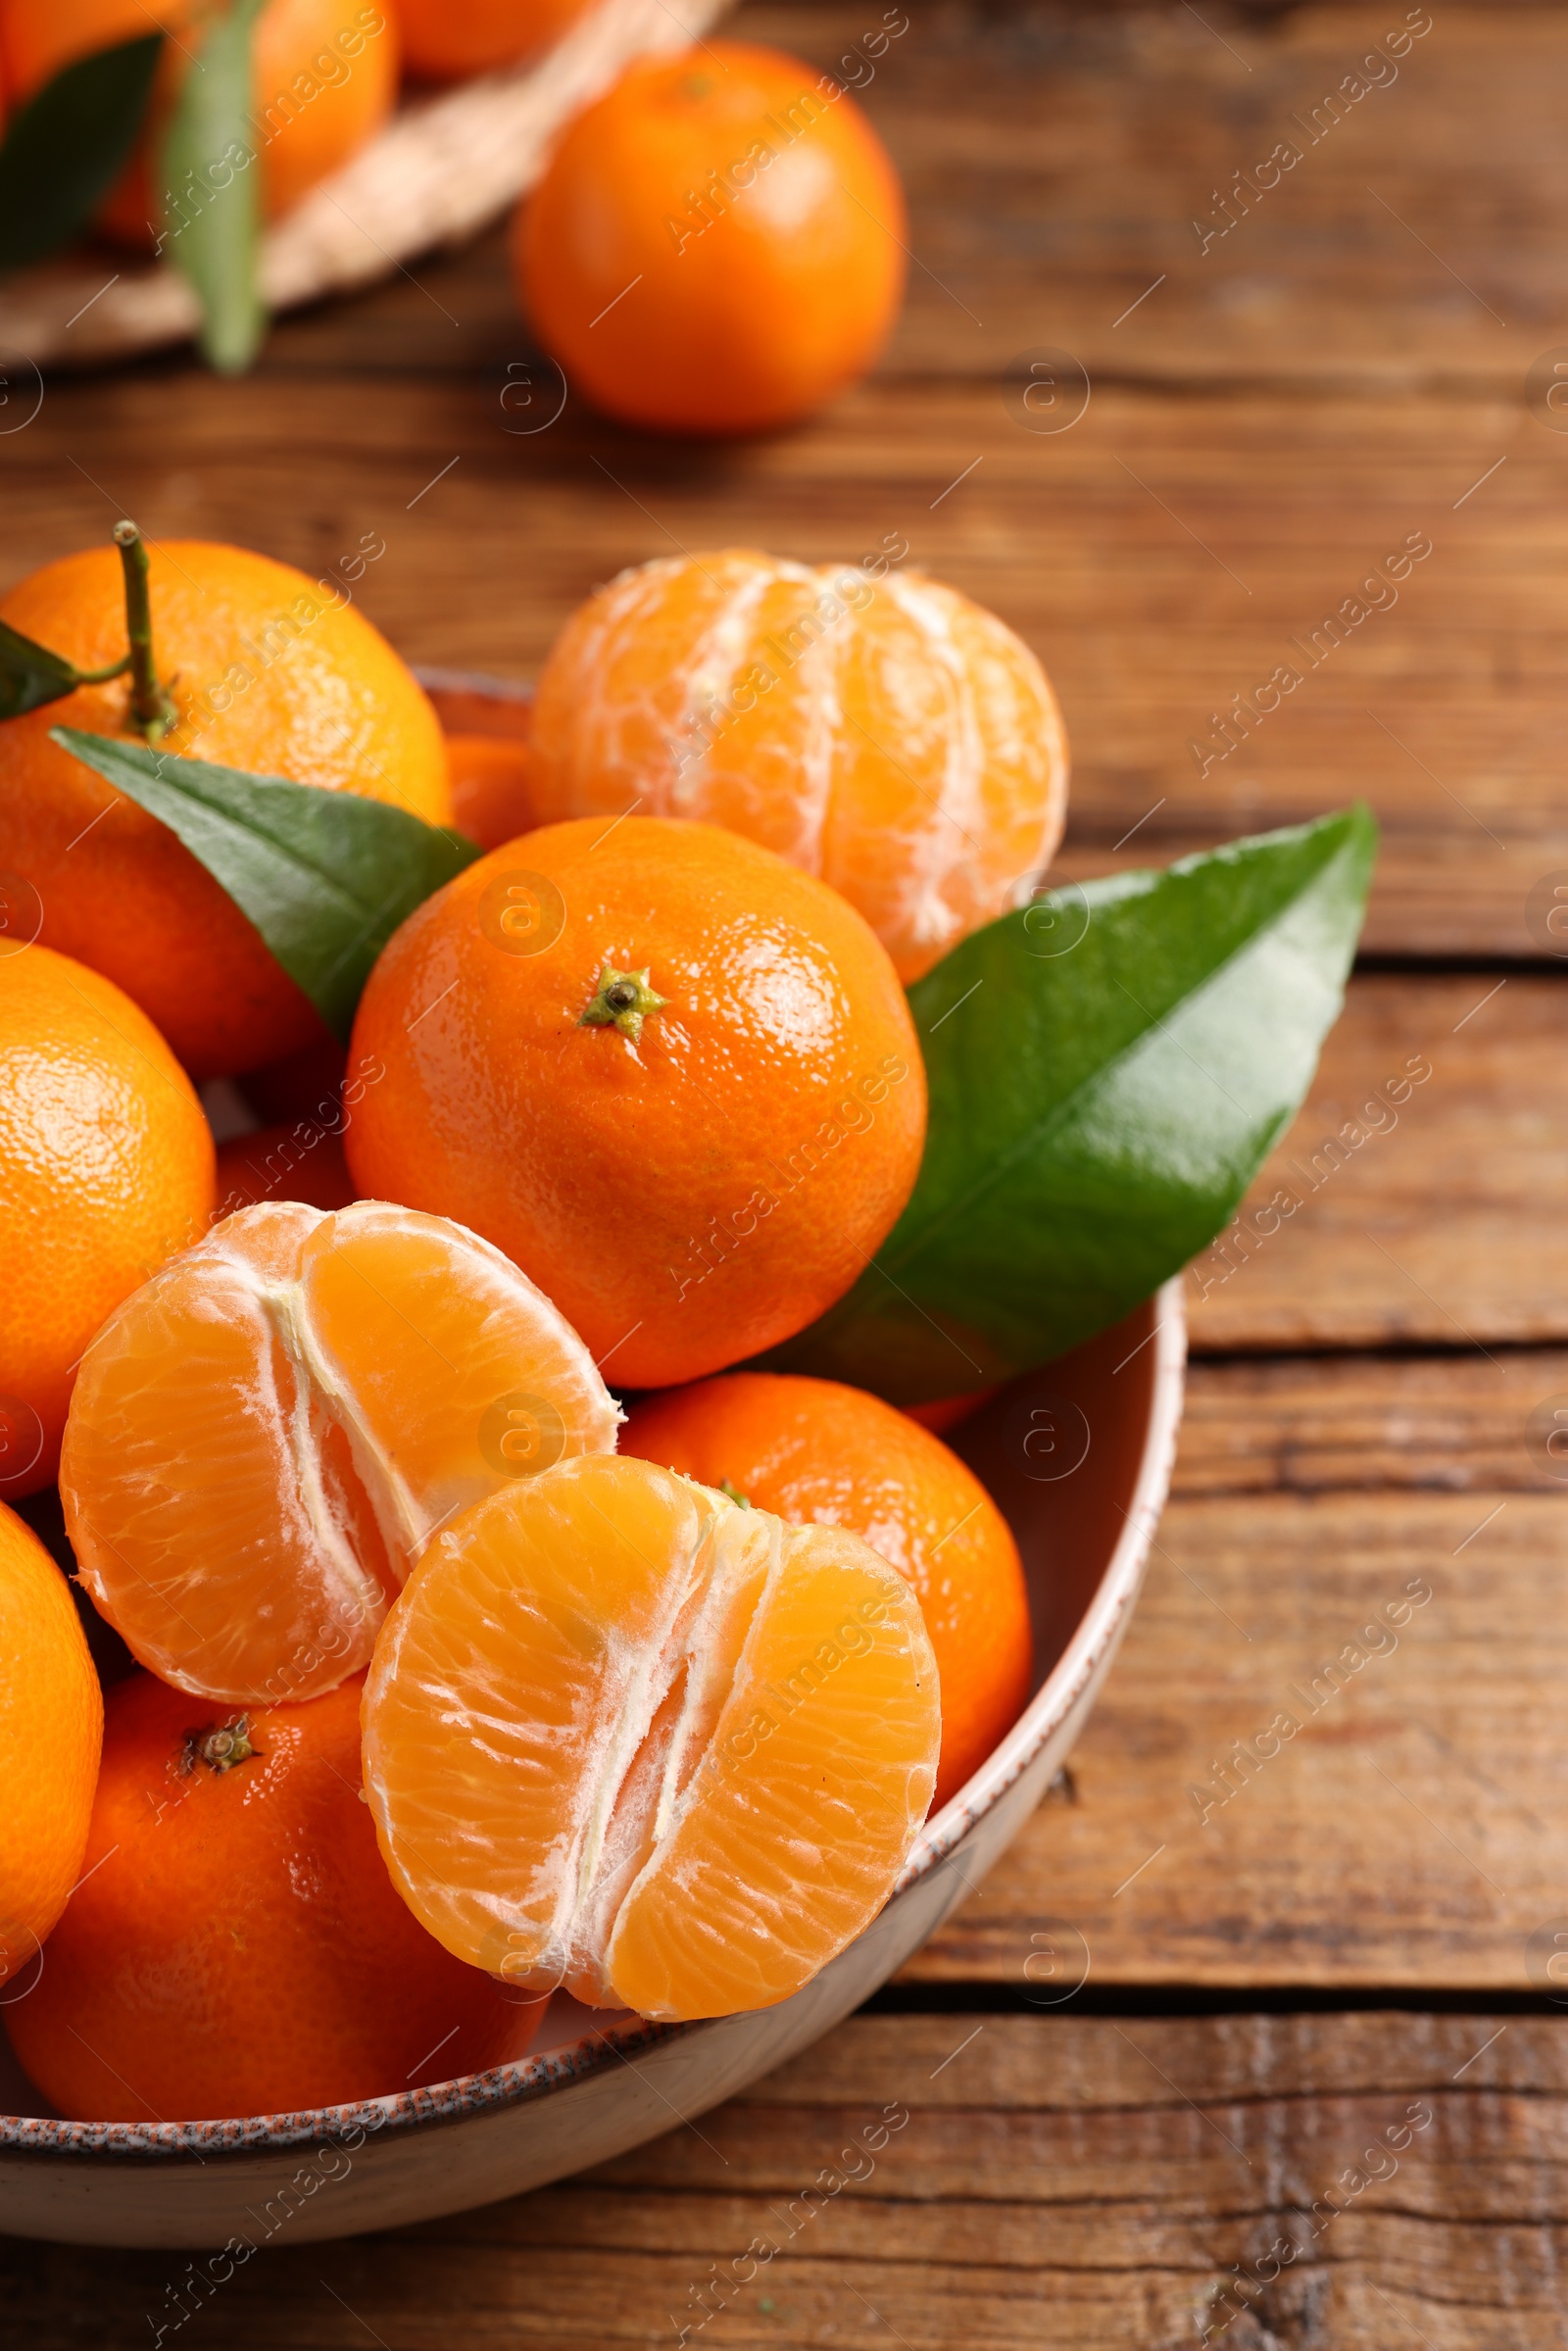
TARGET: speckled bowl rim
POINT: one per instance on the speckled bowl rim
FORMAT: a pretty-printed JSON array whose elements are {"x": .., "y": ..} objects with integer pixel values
[{"x": 529, "y": 2078}]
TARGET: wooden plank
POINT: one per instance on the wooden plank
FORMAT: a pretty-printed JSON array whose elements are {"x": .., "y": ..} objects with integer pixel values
[
  {"x": 1033, "y": 2181},
  {"x": 1080, "y": 542},
  {"x": 1425, "y": 1207},
  {"x": 1263, "y": 431},
  {"x": 1359, "y": 1579}
]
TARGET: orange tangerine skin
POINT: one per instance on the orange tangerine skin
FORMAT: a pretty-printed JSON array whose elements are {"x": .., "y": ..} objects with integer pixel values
[
  {"x": 271, "y": 672},
  {"x": 273, "y": 1165},
  {"x": 106, "y": 1169},
  {"x": 447, "y": 43},
  {"x": 686, "y": 1196},
  {"x": 51, "y": 1731},
  {"x": 873, "y": 726},
  {"x": 491, "y": 798},
  {"x": 744, "y": 219},
  {"x": 237, "y": 1947},
  {"x": 324, "y": 79},
  {"x": 817, "y": 1453}
]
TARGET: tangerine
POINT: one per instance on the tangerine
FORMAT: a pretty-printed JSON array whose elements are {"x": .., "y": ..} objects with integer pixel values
[
  {"x": 323, "y": 79},
  {"x": 264, "y": 672},
  {"x": 674, "y": 1079},
  {"x": 235, "y": 1946},
  {"x": 717, "y": 246},
  {"x": 265, "y": 1435},
  {"x": 813, "y": 1450},
  {"x": 51, "y": 1730},
  {"x": 443, "y": 43},
  {"x": 283, "y": 1164},
  {"x": 872, "y": 726},
  {"x": 491, "y": 801},
  {"x": 106, "y": 1168},
  {"x": 709, "y": 1740}
]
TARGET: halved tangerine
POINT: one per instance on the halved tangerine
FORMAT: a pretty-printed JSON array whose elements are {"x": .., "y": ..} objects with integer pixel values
[
  {"x": 265, "y": 1435},
  {"x": 624, "y": 1734}
]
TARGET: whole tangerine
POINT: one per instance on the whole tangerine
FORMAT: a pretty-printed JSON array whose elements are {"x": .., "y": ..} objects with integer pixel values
[
  {"x": 676, "y": 1080},
  {"x": 718, "y": 245},
  {"x": 443, "y": 43},
  {"x": 873, "y": 726},
  {"x": 323, "y": 80},
  {"x": 236, "y": 1947},
  {"x": 51, "y": 1731},
  {"x": 820, "y": 1453},
  {"x": 106, "y": 1169},
  {"x": 268, "y": 672}
]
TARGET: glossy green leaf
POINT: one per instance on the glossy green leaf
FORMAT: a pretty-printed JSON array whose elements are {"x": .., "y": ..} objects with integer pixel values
[
  {"x": 65, "y": 147},
  {"x": 324, "y": 876},
  {"x": 1108, "y": 1068},
  {"x": 212, "y": 197},
  {"x": 30, "y": 674}
]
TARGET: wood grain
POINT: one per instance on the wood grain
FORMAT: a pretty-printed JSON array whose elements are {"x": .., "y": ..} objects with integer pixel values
[
  {"x": 1404, "y": 1823},
  {"x": 1039, "y": 2180},
  {"x": 1263, "y": 433},
  {"x": 1427, "y": 1207}
]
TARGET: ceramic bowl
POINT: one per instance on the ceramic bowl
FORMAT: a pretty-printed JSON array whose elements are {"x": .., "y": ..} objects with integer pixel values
[{"x": 1078, "y": 1455}]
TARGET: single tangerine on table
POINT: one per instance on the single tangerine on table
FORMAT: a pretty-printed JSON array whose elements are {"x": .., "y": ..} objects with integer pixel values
[
  {"x": 263, "y": 672},
  {"x": 235, "y": 1946},
  {"x": 813, "y": 1450},
  {"x": 444, "y": 43},
  {"x": 264, "y": 1437},
  {"x": 106, "y": 1169},
  {"x": 717, "y": 246},
  {"x": 872, "y": 726},
  {"x": 323, "y": 80},
  {"x": 709, "y": 1740},
  {"x": 674, "y": 1079},
  {"x": 51, "y": 1729}
]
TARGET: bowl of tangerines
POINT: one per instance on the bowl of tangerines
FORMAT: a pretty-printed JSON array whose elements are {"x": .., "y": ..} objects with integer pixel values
[{"x": 590, "y": 1350}]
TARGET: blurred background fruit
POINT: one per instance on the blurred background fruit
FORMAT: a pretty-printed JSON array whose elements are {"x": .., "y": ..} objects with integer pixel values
[
  {"x": 817, "y": 1453},
  {"x": 51, "y": 1730},
  {"x": 717, "y": 246},
  {"x": 268, "y": 673},
  {"x": 323, "y": 80},
  {"x": 275, "y": 1165},
  {"x": 446, "y": 40},
  {"x": 491, "y": 797},
  {"x": 674, "y": 1079},
  {"x": 871, "y": 725},
  {"x": 236, "y": 1947},
  {"x": 106, "y": 1169}
]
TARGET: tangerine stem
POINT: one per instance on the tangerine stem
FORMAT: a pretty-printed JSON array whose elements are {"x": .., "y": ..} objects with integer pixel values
[
  {"x": 150, "y": 705},
  {"x": 622, "y": 1000}
]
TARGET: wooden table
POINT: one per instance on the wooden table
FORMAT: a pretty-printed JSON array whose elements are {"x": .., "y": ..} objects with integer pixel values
[{"x": 1346, "y": 1949}]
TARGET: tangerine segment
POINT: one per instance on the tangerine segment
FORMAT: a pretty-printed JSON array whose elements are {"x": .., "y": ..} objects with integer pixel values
[
  {"x": 265, "y": 1436},
  {"x": 623, "y": 1735}
]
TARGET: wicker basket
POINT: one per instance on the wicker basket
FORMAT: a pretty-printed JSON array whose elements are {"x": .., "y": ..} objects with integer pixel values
[{"x": 443, "y": 168}]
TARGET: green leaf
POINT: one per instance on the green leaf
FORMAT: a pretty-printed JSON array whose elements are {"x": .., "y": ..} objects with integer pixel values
[
  {"x": 213, "y": 199},
  {"x": 324, "y": 876},
  {"x": 64, "y": 148},
  {"x": 30, "y": 674},
  {"x": 1109, "y": 1069}
]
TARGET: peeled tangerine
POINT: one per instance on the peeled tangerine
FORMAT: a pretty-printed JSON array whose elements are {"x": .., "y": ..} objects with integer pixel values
[
  {"x": 265, "y": 1435},
  {"x": 626, "y": 1735},
  {"x": 875, "y": 727}
]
